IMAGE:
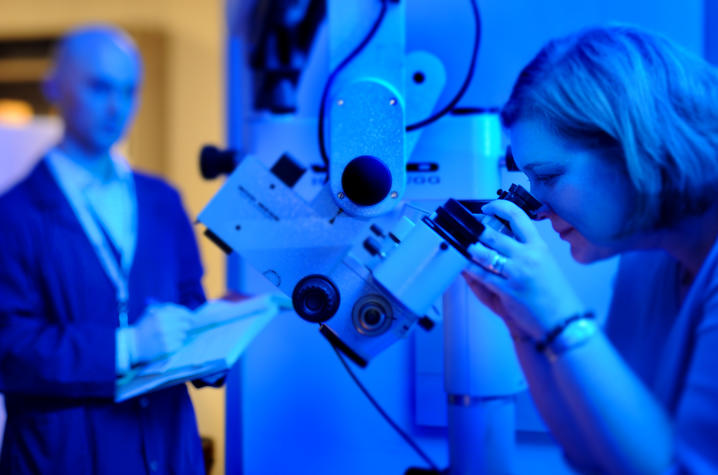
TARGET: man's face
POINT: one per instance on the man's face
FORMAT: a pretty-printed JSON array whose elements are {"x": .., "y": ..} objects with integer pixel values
[
  {"x": 587, "y": 198},
  {"x": 96, "y": 92}
]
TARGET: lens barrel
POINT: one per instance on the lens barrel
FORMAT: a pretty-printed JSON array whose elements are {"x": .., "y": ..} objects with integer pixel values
[{"x": 518, "y": 195}]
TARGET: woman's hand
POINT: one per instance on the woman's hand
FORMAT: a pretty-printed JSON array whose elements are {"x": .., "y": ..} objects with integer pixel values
[{"x": 531, "y": 294}]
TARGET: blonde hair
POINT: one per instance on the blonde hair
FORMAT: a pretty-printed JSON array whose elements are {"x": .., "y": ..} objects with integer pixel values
[{"x": 637, "y": 98}]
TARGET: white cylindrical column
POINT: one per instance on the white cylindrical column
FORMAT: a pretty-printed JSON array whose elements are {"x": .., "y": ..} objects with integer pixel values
[{"x": 481, "y": 377}]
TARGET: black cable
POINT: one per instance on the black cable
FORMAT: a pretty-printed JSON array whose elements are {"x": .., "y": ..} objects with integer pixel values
[
  {"x": 467, "y": 79},
  {"x": 376, "y": 405},
  {"x": 332, "y": 76}
]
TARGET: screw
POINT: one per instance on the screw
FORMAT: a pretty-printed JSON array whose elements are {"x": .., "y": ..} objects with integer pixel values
[
  {"x": 340, "y": 195},
  {"x": 340, "y": 102},
  {"x": 394, "y": 194},
  {"x": 392, "y": 101}
]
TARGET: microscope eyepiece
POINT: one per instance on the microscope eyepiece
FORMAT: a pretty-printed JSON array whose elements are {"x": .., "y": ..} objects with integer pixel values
[
  {"x": 459, "y": 222},
  {"x": 518, "y": 195}
]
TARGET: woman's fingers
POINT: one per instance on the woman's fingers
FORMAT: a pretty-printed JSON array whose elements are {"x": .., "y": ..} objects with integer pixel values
[
  {"x": 521, "y": 225},
  {"x": 505, "y": 245},
  {"x": 483, "y": 293},
  {"x": 491, "y": 264}
]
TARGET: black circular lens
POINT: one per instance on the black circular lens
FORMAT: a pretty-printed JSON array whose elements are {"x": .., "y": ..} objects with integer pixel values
[
  {"x": 372, "y": 316},
  {"x": 366, "y": 181},
  {"x": 315, "y": 298}
]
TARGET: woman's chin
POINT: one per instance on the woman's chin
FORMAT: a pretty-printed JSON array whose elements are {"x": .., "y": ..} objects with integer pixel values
[
  {"x": 586, "y": 253},
  {"x": 580, "y": 255}
]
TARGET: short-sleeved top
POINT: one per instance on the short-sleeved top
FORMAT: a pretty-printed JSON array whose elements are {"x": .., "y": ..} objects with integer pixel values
[{"x": 673, "y": 346}]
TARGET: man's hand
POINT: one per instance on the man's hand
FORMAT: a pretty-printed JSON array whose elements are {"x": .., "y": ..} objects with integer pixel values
[{"x": 161, "y": 330}]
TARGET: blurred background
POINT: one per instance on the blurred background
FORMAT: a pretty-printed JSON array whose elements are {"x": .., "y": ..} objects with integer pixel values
[
  {"x": 182, "y": 107},
  {"x": 187, "y": 50}
]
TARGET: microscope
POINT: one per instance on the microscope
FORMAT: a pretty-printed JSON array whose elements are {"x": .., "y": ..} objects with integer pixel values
[{"x": 353, "y": 240}]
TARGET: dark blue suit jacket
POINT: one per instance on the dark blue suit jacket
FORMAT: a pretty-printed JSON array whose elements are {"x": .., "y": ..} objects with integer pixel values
[{"x": 58, "y": 317}]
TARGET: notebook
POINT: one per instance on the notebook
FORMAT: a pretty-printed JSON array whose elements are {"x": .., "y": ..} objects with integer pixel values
[{"x": 222, "y": 331}]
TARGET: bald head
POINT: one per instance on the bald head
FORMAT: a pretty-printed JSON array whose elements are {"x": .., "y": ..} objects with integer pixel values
[
  {"x": 94, "y": 83},
  {"x": 77, "y": 45}
]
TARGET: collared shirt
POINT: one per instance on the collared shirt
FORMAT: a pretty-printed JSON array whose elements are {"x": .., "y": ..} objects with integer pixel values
[
  {"x": 670, "y": 342},
  {"x": 109, "y": 195},
  {"x": 110, "y": 198}
]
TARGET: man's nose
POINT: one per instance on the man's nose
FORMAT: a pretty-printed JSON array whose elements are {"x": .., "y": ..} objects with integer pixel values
[{"x": 116, "y": 102}]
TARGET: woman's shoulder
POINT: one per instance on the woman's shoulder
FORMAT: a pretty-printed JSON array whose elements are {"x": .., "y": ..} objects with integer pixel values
[
  {"x": 645, "y": 298},
  {"x": 705, "y": 294},
  {"x": 643, "y": 269}
]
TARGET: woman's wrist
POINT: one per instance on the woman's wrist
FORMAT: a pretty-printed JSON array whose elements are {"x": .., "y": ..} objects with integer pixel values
[
  {"x": 517, "y": 334},
  {"x": 570, "y": 333},
  {"x": 521, "y": 337}
]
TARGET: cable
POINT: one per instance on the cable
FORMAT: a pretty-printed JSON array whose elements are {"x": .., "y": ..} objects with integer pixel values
[
  {"x": 421, "y": 210},
  {"x": 376, "y": 405},
  {"x": 467, "y": 79},
  {"x": 332, "y": 76},
  {"x": 410, "y": 127}
]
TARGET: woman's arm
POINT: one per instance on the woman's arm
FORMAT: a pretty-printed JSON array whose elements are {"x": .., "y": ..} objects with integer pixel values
[
  {"x": 554, "y": 408},
  {"x": 549, "y": 401},
  {"x": 619, "y": 419},
  {"x": 627, "y": 428}
]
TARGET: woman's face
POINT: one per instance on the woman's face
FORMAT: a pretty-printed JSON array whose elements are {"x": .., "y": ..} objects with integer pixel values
[{"x": 587, "y": 198}]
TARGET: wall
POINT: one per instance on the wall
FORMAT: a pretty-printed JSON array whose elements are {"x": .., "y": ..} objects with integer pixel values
[
  {"x": 514, "y": 30},
  {"x": 192, "y": 108}
]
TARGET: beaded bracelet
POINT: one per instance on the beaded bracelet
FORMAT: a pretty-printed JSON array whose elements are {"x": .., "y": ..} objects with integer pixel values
[
  {"x": 542, "y": 345},
  {"x": 575, "y": 335}
]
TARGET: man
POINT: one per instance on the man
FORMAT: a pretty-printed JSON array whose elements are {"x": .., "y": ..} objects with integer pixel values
[{"x": 98, "y": 267}]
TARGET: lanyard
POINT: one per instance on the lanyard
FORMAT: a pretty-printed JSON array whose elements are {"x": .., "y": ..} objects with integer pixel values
[{"x": 102, "y": 248}]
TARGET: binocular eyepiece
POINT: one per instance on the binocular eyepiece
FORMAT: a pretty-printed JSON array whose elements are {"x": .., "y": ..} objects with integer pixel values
[
  {"x": 435, "y": 252},
  {"x": 461, "y": 224}
]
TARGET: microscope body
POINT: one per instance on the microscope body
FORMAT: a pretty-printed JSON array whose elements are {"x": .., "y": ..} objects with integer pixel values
[
  {"x": 348, "y": 239},
  {"x": 288, "y": 239}
]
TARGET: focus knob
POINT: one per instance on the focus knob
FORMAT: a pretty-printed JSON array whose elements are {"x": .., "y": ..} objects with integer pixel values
[
  {"x": 214, "y": 162},
  {"x": 315, "y": 298}
]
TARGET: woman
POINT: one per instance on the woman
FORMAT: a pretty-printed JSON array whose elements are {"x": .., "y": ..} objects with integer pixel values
[{"x": 617, "y": 130}]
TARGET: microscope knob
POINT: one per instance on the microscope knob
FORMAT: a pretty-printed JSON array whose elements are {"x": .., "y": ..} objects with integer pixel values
[
  {"x": 315, "y": 298},
  {"x": 214, "y": 162},
  {"x": 426, "y": 323}
]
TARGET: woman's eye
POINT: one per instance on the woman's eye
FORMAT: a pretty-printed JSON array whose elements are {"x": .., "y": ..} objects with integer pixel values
[{"x": 547, "y": 179}]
